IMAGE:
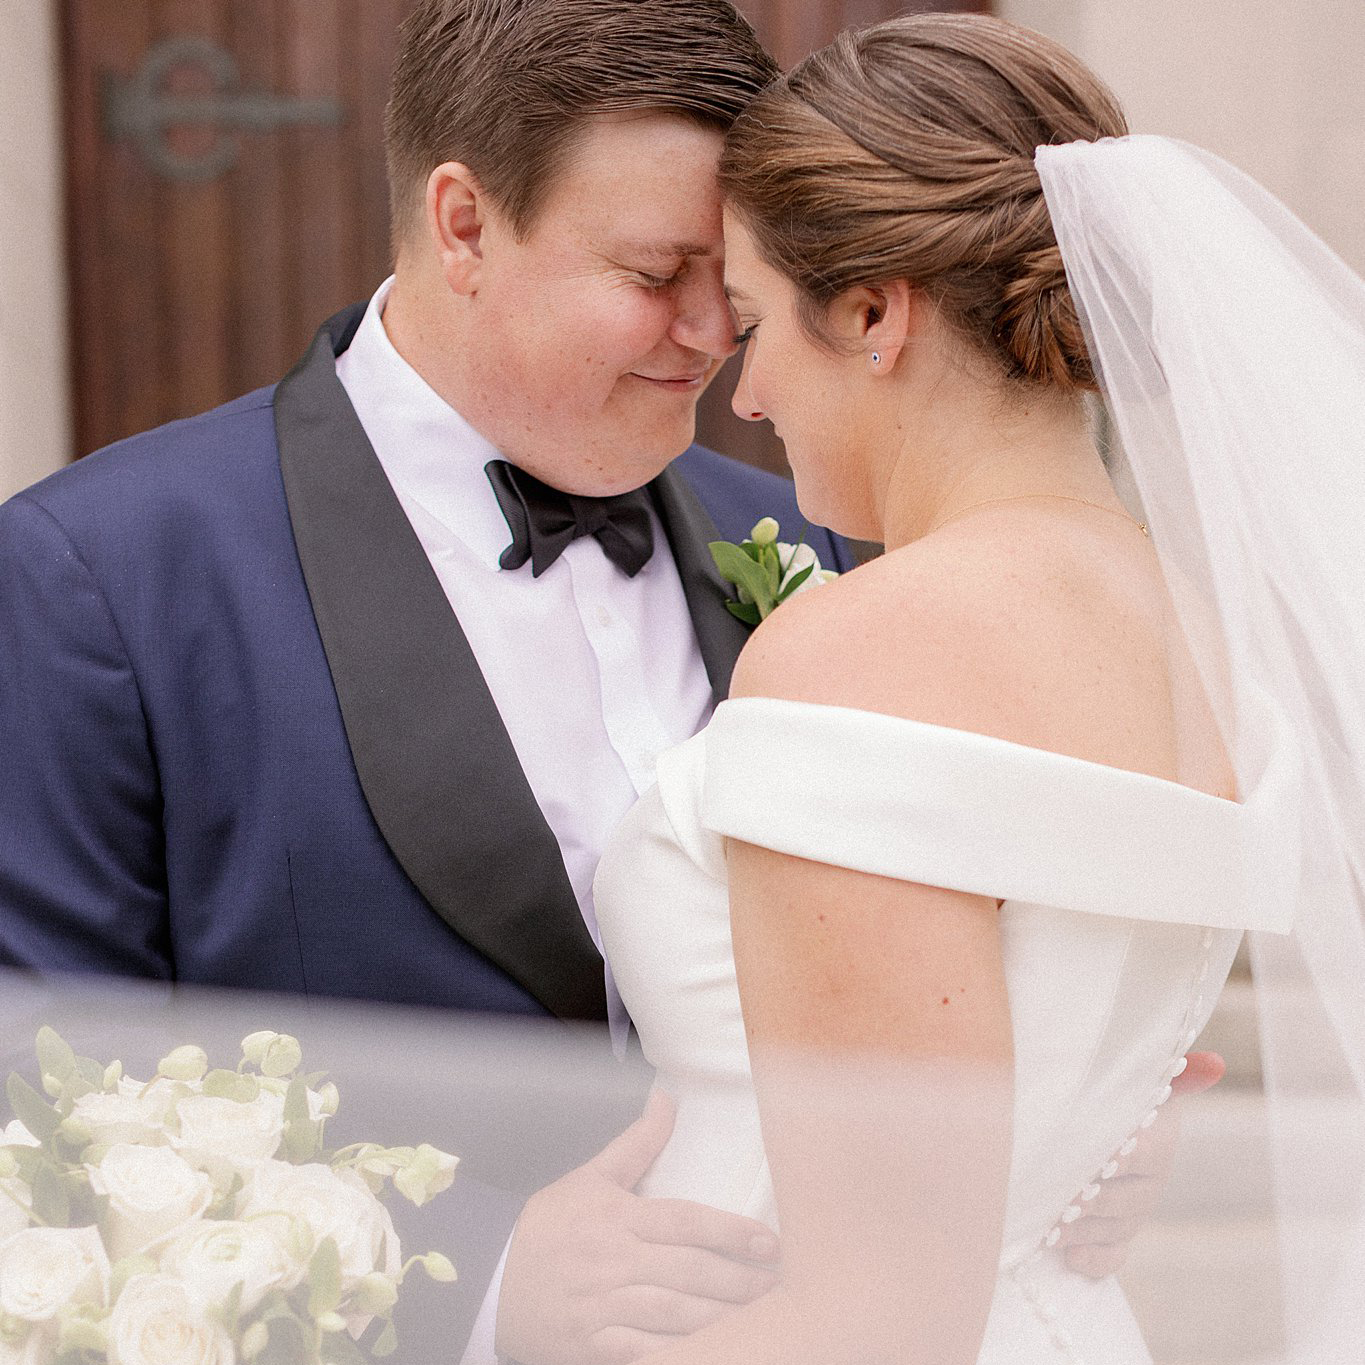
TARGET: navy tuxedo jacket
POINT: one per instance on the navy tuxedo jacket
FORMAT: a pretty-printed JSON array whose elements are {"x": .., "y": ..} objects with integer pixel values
[{"x": 243, "y": 741}]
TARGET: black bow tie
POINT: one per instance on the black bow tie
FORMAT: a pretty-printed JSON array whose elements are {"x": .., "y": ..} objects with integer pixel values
[{"x": 544, "y": 521}]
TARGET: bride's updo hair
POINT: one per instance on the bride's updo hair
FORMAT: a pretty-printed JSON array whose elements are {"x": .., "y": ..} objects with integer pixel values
[{"x": 905, "y": 151}]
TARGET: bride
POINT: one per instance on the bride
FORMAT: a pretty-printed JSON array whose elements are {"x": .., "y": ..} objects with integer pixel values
[{"x": 984, "y": 807}]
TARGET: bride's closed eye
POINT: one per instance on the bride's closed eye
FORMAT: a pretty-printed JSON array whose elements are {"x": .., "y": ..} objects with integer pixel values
[{"x": 742, "y": 337}]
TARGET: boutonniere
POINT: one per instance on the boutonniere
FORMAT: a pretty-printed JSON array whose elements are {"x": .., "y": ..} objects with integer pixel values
[{"x": 767, "y": 571}]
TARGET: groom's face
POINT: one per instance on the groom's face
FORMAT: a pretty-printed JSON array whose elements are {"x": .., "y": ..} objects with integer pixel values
[{"x": 603, "y": 325}]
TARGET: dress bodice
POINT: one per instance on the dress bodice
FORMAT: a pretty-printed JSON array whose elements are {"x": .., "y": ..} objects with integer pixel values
[{"x": 1123, "y": 903}]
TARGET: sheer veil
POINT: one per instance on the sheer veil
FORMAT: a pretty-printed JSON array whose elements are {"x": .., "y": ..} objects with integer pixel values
[{"x": 1230, "y": 345}]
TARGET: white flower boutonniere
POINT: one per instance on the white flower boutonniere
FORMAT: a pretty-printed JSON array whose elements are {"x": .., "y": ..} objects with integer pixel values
[{"x": 767, "y": 571}]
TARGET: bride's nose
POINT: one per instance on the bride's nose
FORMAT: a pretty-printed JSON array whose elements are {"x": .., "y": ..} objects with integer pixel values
[{"x": 742, "y": 401}]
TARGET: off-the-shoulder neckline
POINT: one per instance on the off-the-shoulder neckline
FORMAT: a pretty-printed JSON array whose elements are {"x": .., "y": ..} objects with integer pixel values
[{"x": 977, "y": 737}]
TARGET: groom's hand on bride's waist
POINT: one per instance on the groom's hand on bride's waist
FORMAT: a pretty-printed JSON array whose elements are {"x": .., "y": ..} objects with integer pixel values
[
  {"x": 597, "y": 1275},
  {"x": 1097, "y": 1244}
]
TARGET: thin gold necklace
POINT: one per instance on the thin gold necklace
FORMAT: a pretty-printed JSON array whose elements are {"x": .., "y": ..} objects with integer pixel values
[{"x": 1030, "y": 497}]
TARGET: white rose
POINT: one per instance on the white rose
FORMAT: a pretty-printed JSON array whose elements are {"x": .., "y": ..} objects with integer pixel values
[
  {"x": 44, "y": 1269},
  {"x": 336, "y": 1204},
  {"x": 152, "y": 1191},
  {"x": 224, "y": 1137},
  {"x": 217, "y": 1256},
  {"x": 126, "y": 1115},
  {"x": 794, "y": 558},
  {"x": 157, "y": 1321}
]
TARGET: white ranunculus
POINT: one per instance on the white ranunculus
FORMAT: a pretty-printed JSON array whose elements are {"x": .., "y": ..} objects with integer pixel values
[
  {"x": 124, "y": 1115},
  {"x": 152, "y": 1191},
  {"x": 158, "y": 1321},
  {"x": 44, "y": 1269},
  {"x": 223, "y": 1136},
  {"x": 336, "y": 1204},
  {"x": 217, "y": 1256}
]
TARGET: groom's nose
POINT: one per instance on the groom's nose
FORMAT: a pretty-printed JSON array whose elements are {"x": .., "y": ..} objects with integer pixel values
[{"x": 705, "y": 321}]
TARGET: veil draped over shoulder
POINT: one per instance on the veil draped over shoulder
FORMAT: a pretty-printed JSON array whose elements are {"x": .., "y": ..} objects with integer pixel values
[{"x": 1230, "y": 346}]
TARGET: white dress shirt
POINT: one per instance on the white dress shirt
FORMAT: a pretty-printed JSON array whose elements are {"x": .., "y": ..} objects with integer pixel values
[{"x": 594, "y": 674}]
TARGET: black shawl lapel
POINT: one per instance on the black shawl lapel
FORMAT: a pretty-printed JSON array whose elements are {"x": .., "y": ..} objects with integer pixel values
[
  {"x": 437, "y": 767},
  {"x": 720, "y": 636}
]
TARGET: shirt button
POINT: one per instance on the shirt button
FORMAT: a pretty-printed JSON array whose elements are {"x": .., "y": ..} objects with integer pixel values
[{"x": 603, "y": 616}]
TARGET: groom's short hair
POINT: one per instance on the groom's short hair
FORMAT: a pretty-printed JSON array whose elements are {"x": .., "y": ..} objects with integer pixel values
[{"x": 503, "y": 85}]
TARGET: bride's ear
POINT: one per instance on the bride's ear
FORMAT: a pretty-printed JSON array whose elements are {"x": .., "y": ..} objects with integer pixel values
[{"x": 876, "y": 320}]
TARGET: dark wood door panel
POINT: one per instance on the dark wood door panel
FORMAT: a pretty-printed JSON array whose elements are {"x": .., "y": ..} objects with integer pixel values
[{"x": 187, "y": 291}]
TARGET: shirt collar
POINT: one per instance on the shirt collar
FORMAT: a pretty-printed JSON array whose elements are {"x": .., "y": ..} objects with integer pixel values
[{"x": 429, "y": 453}]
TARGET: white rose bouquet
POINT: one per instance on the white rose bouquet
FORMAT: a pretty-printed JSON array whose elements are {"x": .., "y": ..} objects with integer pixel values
[
  {"x": 766, "y": 571},
  {"x": 196, "y": 1218}
]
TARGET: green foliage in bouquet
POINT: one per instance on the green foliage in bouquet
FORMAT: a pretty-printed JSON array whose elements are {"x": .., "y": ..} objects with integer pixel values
[{"x": 197, "y": 1218}]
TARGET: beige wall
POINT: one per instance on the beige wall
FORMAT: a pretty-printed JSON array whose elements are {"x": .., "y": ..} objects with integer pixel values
[
  {"x": 1272, "y": 85},
  {"x": 35, "y": 424}
]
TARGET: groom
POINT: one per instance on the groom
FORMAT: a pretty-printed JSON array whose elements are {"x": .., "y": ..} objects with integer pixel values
[
  {"x": 340, "y": 689},
  {"x": 330, "y": 691}
]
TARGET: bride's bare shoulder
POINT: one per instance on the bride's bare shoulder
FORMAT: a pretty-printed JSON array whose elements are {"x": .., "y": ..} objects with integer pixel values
[{"x": 972, "y": 632}]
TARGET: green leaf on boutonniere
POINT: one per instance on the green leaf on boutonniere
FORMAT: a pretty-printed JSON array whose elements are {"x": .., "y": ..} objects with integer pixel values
[
  {"x": 772, "y": 566},
  {"x": 746, "y": 611},
  {"x": 743, "y": 571},
  {"x": 796, "y": 582}
]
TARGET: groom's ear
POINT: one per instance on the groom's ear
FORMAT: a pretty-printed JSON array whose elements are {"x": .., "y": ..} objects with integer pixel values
[{"x": 455, "y": 210}]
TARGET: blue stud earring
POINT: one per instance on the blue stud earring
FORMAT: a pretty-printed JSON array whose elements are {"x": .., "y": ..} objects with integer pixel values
[{"x": 876, "y": 358}]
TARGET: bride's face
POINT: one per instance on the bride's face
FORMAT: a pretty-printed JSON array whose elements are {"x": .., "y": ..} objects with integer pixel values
[{"x": 804, "y": 390}]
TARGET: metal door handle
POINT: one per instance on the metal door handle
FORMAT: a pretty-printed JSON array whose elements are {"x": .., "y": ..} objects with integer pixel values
[{"x": 138, "y": 108}]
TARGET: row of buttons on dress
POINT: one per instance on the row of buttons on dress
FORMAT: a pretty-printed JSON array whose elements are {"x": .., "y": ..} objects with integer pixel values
[{"x": 1046, "y": 1313}]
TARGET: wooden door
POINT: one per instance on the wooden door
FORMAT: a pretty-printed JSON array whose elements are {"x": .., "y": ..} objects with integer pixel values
[{"x": 226, "y": 191}]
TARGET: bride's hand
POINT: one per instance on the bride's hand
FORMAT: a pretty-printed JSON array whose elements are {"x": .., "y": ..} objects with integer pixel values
[
  {"x": 597, "y": 1275},
  {"x": 1097, "y": 1245}
]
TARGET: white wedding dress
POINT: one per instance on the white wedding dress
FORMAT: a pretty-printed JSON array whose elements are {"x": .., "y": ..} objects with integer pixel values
[{"x": 1124, "y": 901}]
